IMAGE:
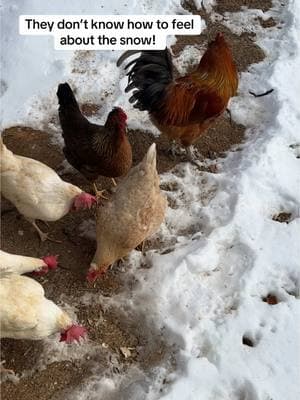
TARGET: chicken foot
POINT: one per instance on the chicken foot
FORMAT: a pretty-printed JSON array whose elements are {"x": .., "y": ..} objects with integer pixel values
[
  {"x": 4, "y": 370},
  {"x": 99, "y": 193},
  {"x": 191, "y": 154},
  {"x": 175, "y": 150},
  {"x": 194, "y": 157},
  {"x": 43, "y": 236}
]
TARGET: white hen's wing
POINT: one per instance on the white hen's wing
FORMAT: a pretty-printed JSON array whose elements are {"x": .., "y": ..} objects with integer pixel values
[
  {"x": 36, "y": 190},
  {"x": 19, "y": 298}
]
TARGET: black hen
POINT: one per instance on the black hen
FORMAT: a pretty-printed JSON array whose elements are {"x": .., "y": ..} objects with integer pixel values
[{"x": 93, "y": 149}]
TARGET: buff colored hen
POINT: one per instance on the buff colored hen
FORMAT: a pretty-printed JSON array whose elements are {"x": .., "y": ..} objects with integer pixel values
[{"x": 133, "y": 213}]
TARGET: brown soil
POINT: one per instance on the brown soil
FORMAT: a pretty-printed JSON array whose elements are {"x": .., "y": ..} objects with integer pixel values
[
  {"x": 245, "y": 51},
  {"x": 267, "y": 23},
  {"x": 108, "y": 329},
  {"x": 223, "y": 6},
  {"x": 216, "y": 141},
  {"x": 283, "y": 217},
  {"x": 271, "y": 299}
]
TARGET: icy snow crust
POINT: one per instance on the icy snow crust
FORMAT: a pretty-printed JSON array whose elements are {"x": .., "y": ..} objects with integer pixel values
[{"x": 223, "y": 251}]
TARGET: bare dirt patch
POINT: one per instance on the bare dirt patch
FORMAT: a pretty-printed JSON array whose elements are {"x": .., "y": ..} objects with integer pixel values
[
  {"x": 283, "y": 217},
  {"x": 245, "y": 50},
  {"x": 223, "y": 6},
  {"x": 267, "y": 23}
]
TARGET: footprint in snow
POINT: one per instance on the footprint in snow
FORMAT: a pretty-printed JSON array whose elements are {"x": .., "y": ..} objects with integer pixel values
[
  {"x": 246, "y": 391},
  {"x": 271, "y": 299},
  {"x": 251, "y": 340},
  {"x": 3, "y": 87},
  {"x": 296, "y": 148},
  {"x": 283, "y": 217}
]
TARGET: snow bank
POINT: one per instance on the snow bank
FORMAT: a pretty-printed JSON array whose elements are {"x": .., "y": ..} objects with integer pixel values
[
  {"x": 31, "y": 69},
  {"x": 223, "y": 252}
]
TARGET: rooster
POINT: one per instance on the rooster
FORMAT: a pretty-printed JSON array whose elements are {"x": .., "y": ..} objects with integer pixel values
[
  {"x": 27, "y": 314},
  {"x": 13, "y": 263},
  {"x": 133, "y": 213},
  {"x": 185, "y": 107},
  {"x": 37, "y": 191},
  {"x": 93, "y": 149}
]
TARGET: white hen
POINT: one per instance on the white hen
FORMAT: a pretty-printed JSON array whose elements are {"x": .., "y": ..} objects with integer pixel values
[
  {"x": 29, "y": 314},
  {"x": 13, "y": 263},
  {"x": 37, "y": 191}
]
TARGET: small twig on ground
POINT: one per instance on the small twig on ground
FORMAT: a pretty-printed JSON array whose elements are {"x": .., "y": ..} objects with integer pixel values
[
  {"x": 65, "y": 268},
  {"x": 261, "y": 94}
]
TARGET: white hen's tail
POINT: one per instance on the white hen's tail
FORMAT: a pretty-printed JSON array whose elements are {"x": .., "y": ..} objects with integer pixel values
[
  {"x": 7, "y": 158},
  {"x": 2, "y": 145}
]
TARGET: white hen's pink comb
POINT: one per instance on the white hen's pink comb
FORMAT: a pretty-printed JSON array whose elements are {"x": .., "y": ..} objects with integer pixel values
[{"x": 73, "y": 333}]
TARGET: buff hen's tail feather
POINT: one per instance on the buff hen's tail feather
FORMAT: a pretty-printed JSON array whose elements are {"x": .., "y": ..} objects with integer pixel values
[{"x": 150, "y": 74}]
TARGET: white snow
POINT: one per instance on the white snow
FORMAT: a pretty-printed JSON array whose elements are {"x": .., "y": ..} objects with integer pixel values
[{"x": 222, "y": 251}]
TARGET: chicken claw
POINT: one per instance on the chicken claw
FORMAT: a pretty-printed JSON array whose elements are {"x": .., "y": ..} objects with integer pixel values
[
  {"x": 175, "y": 150},
  {"x": 43, "y": 236},
  {"x": 98, "y": 193},
  {"x": 194, "y": 157},
  {"x": 4, "y": 370}
]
